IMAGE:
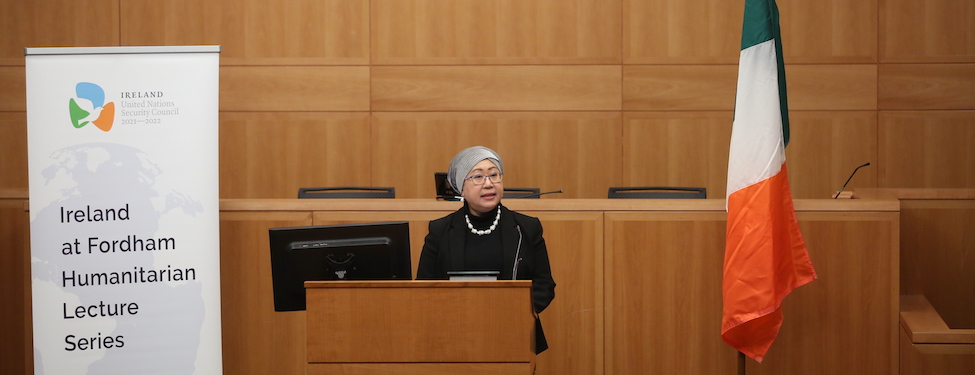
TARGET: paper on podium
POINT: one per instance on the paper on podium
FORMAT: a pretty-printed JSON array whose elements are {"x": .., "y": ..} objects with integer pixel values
[{"x": 472, "y": 275}]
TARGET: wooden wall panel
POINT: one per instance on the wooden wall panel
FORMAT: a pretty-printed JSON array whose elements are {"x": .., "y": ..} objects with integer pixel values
[
  {"x": 297, "y": 40},
  {"x": 257, "y": 340},
  {"x": 578, "y": 152},
  {"x": 937, "y": 257},
  {"x": 185, "y": 22},
  {"x": 255, "y": 32},
  {"x": 271, "y": 155},
  {"x": 13, "y": 88},
  {"x": 294, "y": 88},
  {"x": 13, "y": 150},
  {"x": 677, "y": 149},
  {"x": 831, "y": 31},
  {"x": 826, "y": 146},
  {"x": 856, "y": 260},
  {"x": 926, "y": 86},
  {"x": 496, "y": 88},
  {"x": 573, "y": 323},
  {"x": 691, "y": 149},
  {"x": 926, "y": 149},
  {"x": 15, "y": 319},
  {"x": 709, "y": 32},
  {"x": 832, "y": 87},
  {"x": 665, "y": 268},
  {"x": 713, "y": 87},
  {"x": 410, "y": 32},
  {"x": 927, "y": 31},
  {"x": 55, "y": 23},
  {"x": 679, "y": 87},
  {"x": 681, "y": 32}
]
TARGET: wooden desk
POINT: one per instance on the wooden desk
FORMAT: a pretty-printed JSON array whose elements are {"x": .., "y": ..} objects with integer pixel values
[
  {"x": 937, "y": 308},
  {"x": 639, "y": 284},
  {"x": 928, "y": 345}
]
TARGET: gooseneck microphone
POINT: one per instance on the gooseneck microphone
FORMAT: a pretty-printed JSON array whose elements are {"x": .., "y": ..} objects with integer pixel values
[
  {"x": 514, "y": 269},
  {"x": 848, "y": 180},
  {"x": 538, "y": 194}
]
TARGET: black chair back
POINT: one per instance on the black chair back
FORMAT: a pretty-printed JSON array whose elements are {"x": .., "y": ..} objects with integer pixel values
[
  {"x": 347, "y": 192},
  {"x": 658, "y": 192}
]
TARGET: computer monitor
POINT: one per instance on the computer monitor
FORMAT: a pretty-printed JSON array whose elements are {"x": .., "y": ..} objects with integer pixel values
[
  {"x": 444, "y": 191},
  {"x": 370, "y": 251}
]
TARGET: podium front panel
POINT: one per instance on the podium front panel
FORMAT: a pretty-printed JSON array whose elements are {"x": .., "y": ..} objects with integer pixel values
[{"x": 419, "y": 322}]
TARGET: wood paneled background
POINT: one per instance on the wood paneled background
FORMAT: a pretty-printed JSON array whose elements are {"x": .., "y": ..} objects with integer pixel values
[{"x": 577, "y": 95}]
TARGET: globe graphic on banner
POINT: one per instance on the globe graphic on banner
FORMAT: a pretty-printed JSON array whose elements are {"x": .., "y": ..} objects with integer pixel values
[{"x": 99, "y": 176}]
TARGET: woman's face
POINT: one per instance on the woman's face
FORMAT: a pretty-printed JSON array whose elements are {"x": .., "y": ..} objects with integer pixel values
[{"x": 482, "y": 198}]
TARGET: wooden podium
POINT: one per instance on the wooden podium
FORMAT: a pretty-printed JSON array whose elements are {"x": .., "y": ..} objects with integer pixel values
[{"x": 419, "y": 327}]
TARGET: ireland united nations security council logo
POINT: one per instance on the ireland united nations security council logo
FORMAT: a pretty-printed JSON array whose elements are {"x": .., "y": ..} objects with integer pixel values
[{"x": 89, "y": 106}]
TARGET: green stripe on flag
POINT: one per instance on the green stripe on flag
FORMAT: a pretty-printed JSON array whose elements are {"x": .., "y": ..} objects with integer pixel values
[{"x": 761, "y": 23}]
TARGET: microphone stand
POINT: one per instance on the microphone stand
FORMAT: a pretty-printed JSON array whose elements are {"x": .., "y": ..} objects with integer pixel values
[
  {"x": 848, "y": 180},
  {"x": 538, "y": 194}
]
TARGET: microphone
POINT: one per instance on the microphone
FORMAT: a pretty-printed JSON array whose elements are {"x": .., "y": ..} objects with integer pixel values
[
  {"x": 539, "y": 194},
  {"x": 848, "y": 180},
  {"x": 514, "y": 270}
]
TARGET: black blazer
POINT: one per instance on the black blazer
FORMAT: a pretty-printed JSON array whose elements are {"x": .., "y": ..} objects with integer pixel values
[{"x": 443, "y": 251}]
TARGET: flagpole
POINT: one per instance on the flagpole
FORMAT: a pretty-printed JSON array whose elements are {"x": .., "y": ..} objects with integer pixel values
[{"x": 741, "y": 363}]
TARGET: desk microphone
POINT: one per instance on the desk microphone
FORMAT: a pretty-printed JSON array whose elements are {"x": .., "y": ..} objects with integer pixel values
[
  {"x": 539, "y": 194},
  {"x": 848, "y": 180},
  {"x": 514, "y": 270}
]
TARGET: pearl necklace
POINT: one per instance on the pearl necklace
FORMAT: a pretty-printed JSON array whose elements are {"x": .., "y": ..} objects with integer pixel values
[{"x": 486, "y": 231}]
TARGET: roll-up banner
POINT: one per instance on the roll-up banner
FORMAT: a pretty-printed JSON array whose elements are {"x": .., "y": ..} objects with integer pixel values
[{"x": 124, "y": 209}]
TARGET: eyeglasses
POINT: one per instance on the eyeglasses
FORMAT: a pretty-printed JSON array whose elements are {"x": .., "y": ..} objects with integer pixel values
[{"x": 480, "y": 179}]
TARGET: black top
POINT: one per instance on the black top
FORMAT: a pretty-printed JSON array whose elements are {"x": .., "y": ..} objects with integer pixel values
[{"x": 483, "y": 252}]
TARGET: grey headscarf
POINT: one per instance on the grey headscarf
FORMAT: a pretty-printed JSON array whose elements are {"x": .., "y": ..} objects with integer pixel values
[{"x": 465, "y": 160}]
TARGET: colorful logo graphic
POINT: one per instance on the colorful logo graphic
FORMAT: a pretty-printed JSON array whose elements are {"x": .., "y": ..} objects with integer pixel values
[{"x": 90, "y": 107}]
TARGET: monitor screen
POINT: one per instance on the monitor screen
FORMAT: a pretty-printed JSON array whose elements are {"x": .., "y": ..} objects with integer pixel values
[
  {"x": 444, "y": 191},
  {"x": 371, "y": 251}
]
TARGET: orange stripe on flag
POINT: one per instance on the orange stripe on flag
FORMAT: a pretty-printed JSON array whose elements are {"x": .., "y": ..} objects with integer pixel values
[{"x": 765, "y": 259}]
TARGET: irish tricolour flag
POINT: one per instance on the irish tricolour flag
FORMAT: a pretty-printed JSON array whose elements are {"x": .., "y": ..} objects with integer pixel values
[{"x": 765, "y": 256}]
